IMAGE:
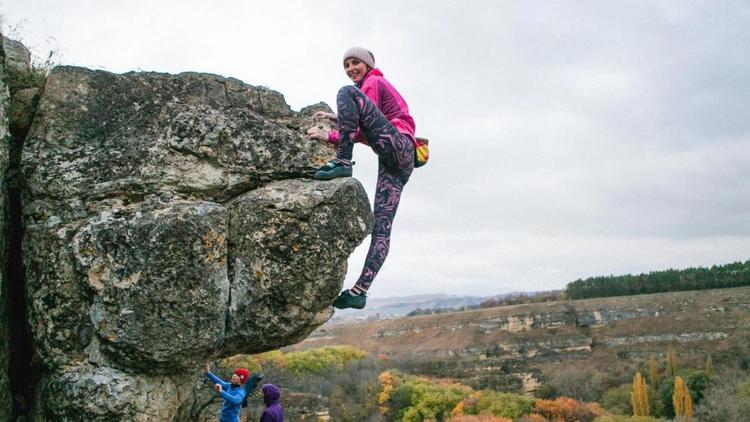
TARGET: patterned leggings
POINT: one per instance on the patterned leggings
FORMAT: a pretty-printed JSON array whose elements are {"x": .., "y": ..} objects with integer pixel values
[{"x": 395, "y": 163}]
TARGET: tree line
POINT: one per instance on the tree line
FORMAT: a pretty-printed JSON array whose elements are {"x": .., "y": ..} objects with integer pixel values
[{"x": 734, "y": 274}]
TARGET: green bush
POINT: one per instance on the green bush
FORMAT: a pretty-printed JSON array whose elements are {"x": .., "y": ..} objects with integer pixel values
[
  {"x": 617, "y": 400},
  {"x": 547, "y": 392},
  {"x": 311, "y": 361},
  {"x": 697, "y": 383},
  {"x": 507, "y": 405},
  {"x": 18, "y": 79},
  {"x": 315, "y": 361},
  {"x": 416, "y": 399}
]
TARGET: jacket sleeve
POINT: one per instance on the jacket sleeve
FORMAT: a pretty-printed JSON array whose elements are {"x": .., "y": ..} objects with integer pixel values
[
  {"x": 333, "y": 136},
  {"x": 234, "y": 396},
  {"x": 216, "y": 380}
]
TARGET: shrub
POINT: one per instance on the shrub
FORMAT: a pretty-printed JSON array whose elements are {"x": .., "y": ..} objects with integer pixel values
[
  {"x": 725, "y": 401},
  {"x": 488, "y": 402},
  {"x": 617, "y": 400},
  {"x": 532, "y": 418},
  {"x": 311, "y": 361},
  {"x": 547, "y": 392},
  {"x": 697, "y": 382},
  {"x": 583, "y": 385},
  {"x": 479, "y": 419},
  {"x": 18, "y": 79},
  {"x": 568, "y": 410},
  {"x": 618, "y": 418},
  {"x": 415, "y": 399}
]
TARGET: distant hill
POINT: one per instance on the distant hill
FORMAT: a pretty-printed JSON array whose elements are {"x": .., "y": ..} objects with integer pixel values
[
  {"x": 395, "y": 307},
  {"x": 514, "y": 348},
  {"x": 398, "y": 307}
]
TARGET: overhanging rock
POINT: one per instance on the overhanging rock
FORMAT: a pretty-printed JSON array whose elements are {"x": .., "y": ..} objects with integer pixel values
[{"x": 170, "y": 220}]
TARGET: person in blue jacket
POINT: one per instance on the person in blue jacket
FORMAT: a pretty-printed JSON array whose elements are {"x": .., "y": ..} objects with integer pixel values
[{"x": 232, "y": 392}]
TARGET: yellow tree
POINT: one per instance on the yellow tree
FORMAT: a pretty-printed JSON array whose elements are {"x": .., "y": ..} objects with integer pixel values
[
  {"x": 671, "y": 363},
  {"x": 709, "y": 367},
  {"x": 653, "y": 369},
  {"x": 681, "y": 400},
  {"x": 639, "y": 396},
  {"x": 388, "y": 381}
]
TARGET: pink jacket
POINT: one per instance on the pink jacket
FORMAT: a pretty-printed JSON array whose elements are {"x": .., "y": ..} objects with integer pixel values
[{"x": 388, "y": 101}]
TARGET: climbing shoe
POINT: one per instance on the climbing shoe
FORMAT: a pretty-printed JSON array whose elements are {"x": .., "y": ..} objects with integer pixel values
[
  {"x": 333, "y": 169},
  {"x": 348, "y": 299}
]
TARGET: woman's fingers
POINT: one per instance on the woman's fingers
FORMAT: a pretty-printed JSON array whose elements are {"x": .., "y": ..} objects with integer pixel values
[
  {"x": 317, "y": 133},
  {"x": 324, "y": 115}
]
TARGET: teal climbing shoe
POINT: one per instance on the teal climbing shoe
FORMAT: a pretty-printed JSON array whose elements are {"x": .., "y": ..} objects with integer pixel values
[
  {"x": 334, "y": 169},
  {"x": 348, "y": 299}
]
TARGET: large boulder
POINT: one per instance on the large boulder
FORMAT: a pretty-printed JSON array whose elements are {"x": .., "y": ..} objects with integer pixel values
[
  {"x": 91, "y": 392},
  {"x": 16, "y": 55},
  {"x": 4, "y": 157},
  {"x": 171, "y": 220}
]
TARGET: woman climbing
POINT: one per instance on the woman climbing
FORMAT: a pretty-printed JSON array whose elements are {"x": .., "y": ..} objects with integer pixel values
[{"x": 371, "y": 112}]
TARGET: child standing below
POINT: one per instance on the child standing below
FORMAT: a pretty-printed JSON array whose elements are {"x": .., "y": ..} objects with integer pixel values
[
  {"x": 271, "y": 396},
  {"x": 371, "y": 112},
  {"x": 233, "y": 393}
]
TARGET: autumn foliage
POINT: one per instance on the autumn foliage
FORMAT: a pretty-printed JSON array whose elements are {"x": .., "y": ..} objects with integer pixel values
[
  {"x": 565, "y": 409},
  {"x": 639, "y": 397},
  {"x": 683, "y": 403},
  {"x": 472, "y": 418}
]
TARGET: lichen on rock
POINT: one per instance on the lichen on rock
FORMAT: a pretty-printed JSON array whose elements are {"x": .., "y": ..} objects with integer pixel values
[
  {"x": 5, "y": 395},
  {"x": 171, "y": 220}
]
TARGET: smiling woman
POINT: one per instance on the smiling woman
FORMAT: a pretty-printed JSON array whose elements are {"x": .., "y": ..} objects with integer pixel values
[
  {"x": 374, "y": 113},
  {"x": 590, "y": 138}
]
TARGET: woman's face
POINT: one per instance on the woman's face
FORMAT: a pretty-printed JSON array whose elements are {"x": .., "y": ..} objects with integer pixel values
[
  {"x": 355, "y": 69},
  {"x": 235, "y": 379}
]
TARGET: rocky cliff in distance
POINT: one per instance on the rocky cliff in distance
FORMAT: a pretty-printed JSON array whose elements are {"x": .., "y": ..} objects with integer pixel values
[
  {"x": 169, "y": 220},
  {"x": 511, "y": 348}
]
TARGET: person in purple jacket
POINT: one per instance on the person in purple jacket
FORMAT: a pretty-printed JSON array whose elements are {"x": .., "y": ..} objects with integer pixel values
[
  {"x": 371, "y": 112},
  {"x": 274, "y": 412}
]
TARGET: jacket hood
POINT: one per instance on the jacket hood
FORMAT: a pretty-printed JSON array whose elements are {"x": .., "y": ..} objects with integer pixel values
[{"x": 271, "y": 394}]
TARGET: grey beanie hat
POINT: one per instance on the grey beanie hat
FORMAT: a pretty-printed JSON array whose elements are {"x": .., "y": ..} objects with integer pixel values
[{"x": 362, "y": 54}]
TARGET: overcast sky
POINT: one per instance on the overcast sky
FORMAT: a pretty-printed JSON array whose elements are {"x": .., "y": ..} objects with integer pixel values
[{"x": 568, "y": 139}]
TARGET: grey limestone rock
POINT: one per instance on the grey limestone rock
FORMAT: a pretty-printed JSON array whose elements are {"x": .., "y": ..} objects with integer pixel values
[
  {"x": 90, "y": 392},
  {"x": 170, "y": 220},
  {"x": 279, "y": 235},
  {"x": 4, "y": 156},
  {"x": 16, "y": 54},
  {"x": 22, "y": 108}
]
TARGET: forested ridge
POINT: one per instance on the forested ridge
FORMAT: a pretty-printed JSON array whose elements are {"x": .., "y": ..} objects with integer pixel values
[{"x": 735, "y": 274}]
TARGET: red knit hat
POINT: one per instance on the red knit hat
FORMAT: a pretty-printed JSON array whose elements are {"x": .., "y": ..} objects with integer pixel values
[{"x": 243, "y": 374}]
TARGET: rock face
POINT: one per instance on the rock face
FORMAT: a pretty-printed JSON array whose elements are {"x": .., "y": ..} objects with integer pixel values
[
  {"x": 4, "y": 154},
  {"x": 15, "y": 54},
  {"x": 170, "y": 220}
]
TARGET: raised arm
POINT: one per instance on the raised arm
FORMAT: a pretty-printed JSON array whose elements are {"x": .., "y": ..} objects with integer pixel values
[{"x": 216, "y": 380}]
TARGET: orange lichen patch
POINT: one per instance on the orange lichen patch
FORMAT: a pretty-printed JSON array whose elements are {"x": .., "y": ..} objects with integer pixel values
[{"x": 216, "y": 245}]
